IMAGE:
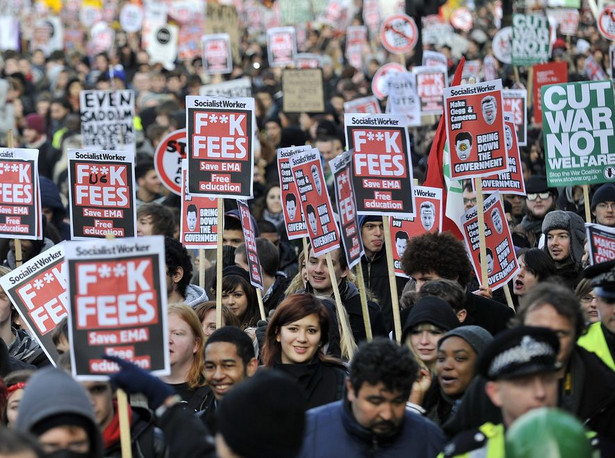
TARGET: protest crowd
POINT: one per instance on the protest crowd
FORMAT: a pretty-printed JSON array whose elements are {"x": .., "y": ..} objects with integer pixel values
[{"x": 307, "y": 228}]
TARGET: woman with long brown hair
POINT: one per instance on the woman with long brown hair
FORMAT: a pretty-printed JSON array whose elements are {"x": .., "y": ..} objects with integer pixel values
[
  {"x": 186, "y": 344},
  {"x": 295, "y": 343}
]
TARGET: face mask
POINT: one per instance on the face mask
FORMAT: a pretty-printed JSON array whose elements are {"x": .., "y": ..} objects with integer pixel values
[{"x": 64, "y": 453}]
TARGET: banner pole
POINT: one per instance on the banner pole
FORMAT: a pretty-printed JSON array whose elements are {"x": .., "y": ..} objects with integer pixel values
[
  {"x": 388, "y": 245},
  {"x": 306, "y": 253},
  {"x": 530, "y": 87},
  {"x": 219, "y": 263},
  {"x": 361, "y": 283},
  {"x": 122, "y": 406},
  {"x": 261, "y": 306},
  {"x": 202, "y": 268},
  {"x": 18, "y": 254},
  {"x": 481, "y": 232},
  {"x": 588, "y": 210},
  {"x": 346, "y": 336}
]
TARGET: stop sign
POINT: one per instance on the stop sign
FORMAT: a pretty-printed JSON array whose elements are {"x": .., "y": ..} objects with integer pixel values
[{"x": 168, "y": 160}]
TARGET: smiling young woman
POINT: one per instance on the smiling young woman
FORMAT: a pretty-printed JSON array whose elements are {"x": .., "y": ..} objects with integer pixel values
[{"x": 294, "y": 343}]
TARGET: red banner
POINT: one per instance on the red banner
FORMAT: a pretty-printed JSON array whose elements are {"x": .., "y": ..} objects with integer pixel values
[
  {"x": 254, "y": 267},
  {"x": 199, "y": 218},
  {"x": 549, "y": 73},
  {"x": 293, "y": 215},
  {"x": 430, "y": 84}
]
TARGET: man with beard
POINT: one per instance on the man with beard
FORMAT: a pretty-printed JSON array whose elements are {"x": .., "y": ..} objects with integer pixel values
[{"x": 373, "y": 419}]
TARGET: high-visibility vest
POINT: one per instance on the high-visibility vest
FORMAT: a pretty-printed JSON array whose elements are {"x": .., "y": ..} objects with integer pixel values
[
  {"x": 490, "y": 443},
  {"x": 595, "y": 342}
]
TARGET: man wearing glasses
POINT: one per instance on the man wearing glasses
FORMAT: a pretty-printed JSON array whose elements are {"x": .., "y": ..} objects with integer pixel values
[
  {"x": 539, "y": 201},
  {"x": 603, "y": 205}
]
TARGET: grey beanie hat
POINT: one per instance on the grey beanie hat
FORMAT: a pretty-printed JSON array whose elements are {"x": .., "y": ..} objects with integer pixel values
[
  {"x": 571, "y": 222},
  {"x": 477, "y": 337}
]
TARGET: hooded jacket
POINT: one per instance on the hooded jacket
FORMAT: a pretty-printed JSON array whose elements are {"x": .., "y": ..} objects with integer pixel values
[
  {"x": 195, "y": 295},
  {"x": 51, "y": 392},
  {"x": 572, "y": 223}
]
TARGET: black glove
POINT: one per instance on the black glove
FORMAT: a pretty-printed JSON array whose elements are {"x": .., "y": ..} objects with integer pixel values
[
  {"x": 261, "y": 329},
  {"x": 133, "y": 379}
]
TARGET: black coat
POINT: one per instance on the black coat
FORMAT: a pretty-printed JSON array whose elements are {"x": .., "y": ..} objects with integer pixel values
[
  {"x": 322, "y": 382},
  {"x": 147, "y": 440},
  {"x": 377, "y": 280},
  {"x": 486, "y": 313}
]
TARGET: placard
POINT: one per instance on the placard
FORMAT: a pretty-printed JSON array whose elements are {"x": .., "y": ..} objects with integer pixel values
[
  {"x": 367, "y": 104},
  {"x": 101, "y": 194},
  {"x": 379, "y": 81},
  {"x": 502, "y": 45},
  {"x": 577, "y": 123},
  {"x": 303, "y": 91},
  {"x": 403, "y": 99},
  {"x": 289, "y": 194},
  {"x": 241, "y": 87},
  {"x": 606, "y": 22},
  {"x": 217, "y": 57},
  {"x": 502, "y": 262},
  {"x": 20, "y": 201},
  {"x": 429, "y": 207},
  {"x": 220, "y": 146},
  {"x": 356, "y": 43},
  {"x": 430, "y": 84},
  {"x": 515, "y": 103},
  {"x": 199, "y": 217},
  {"x": 224, "y": 19},
  {"x": 107, "y": 119},
  {"x": 593, "y": 70},
  {"x": 475, "y": 129},
  {"x": 281, "y": 46},
  {"x": 530, "y": 39},
  {"x": 511, "y": 181},
  {"x": 254, "y": 267},
  {"x": 168, "y": 160},
  {"x": 399, "y": 34},
  {"x": 37, "y": 289},
  {"x": 118, "y": 305},
  {"x": 601, "y": 243},
  {"x": 550, "y": 73},
  {"x": 162, "y": 45},
  {"x": 382, "y": 169},
  {"x": 341, "y": 167},
  {"x": 315, "y": 204},
  {"x": 308, "y": 60},
  {"x": 434, "y": 59}
]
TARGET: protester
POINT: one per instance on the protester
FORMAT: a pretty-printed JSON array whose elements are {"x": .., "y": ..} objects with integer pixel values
[
  {"x": 154, "y": 219},
  {"x": 264, "y": 416},
  {"x": 58, "y": 411},
  {"x": 429, "y": 319},
  {"x": 229, "y": 360},
  {"x": 186, "y": 343},
  {"x": 149, "y": 183},
  {"x": 15, "y": 385},
  {"x": 374, "y": 265},
  {"x": 603, "y": 205},
  {"x": 320, "y": 284},
  {"x": 540, "y": 200},
  {"x": 15, "y": 444},
  {"x": 565, "y": 238},
  {"x": 585, "y": 294},
  {"x": 239, "y": 296},
  {"x": 458, "y": 352},
  {"x": 372, "y": 419},
  {"x": 436, "y": 256},
  {"x": 179, "y": 273},
  {"x": 535, "y": 266},
  {"x": 295, "y": 342},
  {"x": 207, "y": 316}
]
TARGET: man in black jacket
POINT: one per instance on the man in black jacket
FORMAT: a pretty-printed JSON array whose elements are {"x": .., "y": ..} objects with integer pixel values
[
  {"x": 374, "y": 264},
  {"x": 319, "y": 283},
  {"x": 436, "y": 256}
]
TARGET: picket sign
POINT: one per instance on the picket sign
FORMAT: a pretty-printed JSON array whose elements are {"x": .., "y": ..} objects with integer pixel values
[
  {"x": 219, "y": 263},
  {"x": 388, "y": 245}
]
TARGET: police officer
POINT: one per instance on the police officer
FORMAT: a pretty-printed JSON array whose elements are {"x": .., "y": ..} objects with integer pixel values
[
  {"x": 520, "y": 366},
  {"x": 600, "y": 337}
]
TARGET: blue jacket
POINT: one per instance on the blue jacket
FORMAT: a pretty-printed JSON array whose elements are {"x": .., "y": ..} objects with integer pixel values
[{"x": 331, "y": 431}]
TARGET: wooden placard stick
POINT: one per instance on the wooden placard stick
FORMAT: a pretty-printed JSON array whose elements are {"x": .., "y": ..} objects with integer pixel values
[
  {"x": 346, "y": 336},
  {"x": 219, "y": 263},
  {"x": 364, "y": 309},
  {"x": 388, "y": 245}
]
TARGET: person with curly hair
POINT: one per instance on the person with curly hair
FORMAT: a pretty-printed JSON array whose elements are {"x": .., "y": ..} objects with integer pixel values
[{"x": 441, "y": 256}]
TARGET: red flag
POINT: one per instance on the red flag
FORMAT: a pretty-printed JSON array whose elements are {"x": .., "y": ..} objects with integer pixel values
[{"x": 435, "y": 175}]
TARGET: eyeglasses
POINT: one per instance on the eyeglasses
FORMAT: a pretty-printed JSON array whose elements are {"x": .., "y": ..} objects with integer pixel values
[
  {"x": 468, "y": 201},
  {"x": 606, "y": 205},
  {"x": 535, "y": 195},
  {"x": 588, "y": 298}
]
